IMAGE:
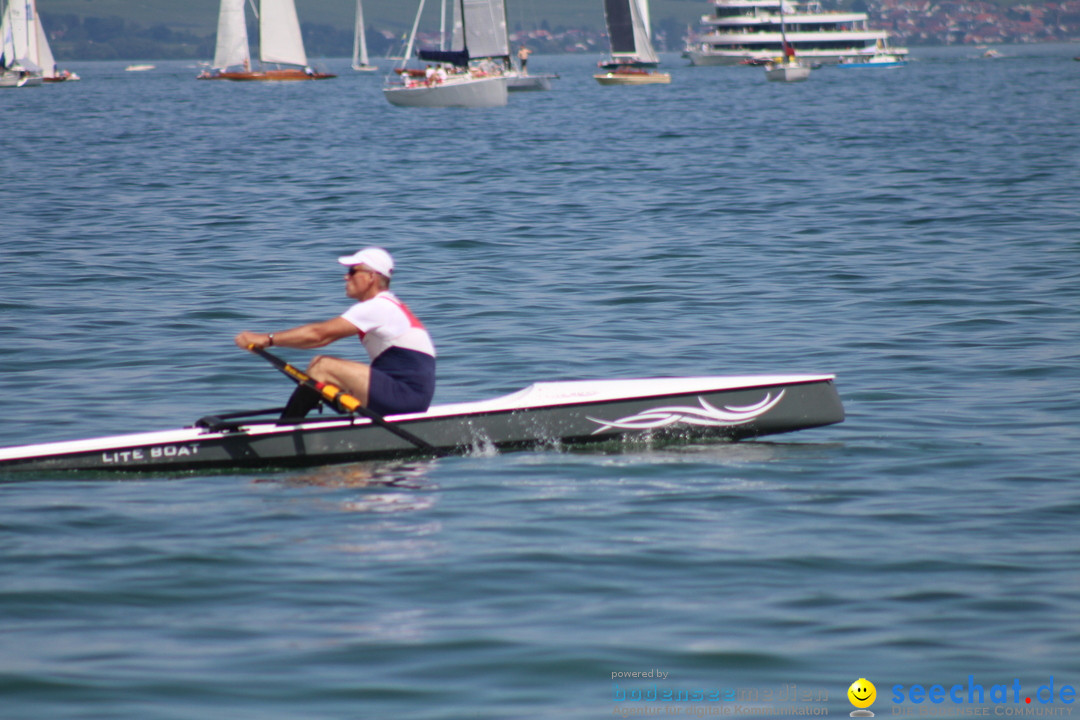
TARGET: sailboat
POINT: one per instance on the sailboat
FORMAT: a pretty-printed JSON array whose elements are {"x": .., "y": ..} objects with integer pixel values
[
  {"x": 632, "y": 54},
  {"x": 359, "y": 50},
  {"x": 26, "y": 59},
  {"x": 280, "y": 43},
  {"x": 787, "y": 68},
  {"x": 469, "y": 75}
]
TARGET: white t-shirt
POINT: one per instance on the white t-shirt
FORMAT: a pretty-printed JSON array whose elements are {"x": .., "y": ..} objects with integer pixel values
[{"x": 384, "y": 322}]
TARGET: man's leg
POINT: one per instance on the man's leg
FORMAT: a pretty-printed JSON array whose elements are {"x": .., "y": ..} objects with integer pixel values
[
  {"x": 301, "y": 402},
  {"x": 352, "y": 377}
]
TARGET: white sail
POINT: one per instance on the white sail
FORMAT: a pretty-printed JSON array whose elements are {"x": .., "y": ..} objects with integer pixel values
[
  {"x": 359, "y": 50},
  {"x": 7, "y": 40},
  {"x": 279, "y": 33},
  {"x": 19, "y": 34},
  {"x": 45, "y": 57},
  {"x": 644, "y": 47},
  {"x": 643, "y": 11},
  {"x": 19, "y": 27},
  {"x": 485, "y": 26},
  {"x": 232, "y": 39},
  {"x": 628, "y": 32}
]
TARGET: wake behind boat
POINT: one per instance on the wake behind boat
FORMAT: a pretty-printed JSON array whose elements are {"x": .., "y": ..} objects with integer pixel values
[{"x": 540, "y": 415}]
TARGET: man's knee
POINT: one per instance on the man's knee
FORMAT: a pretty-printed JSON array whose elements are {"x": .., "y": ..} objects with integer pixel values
[{"x": 318, "y": 363}]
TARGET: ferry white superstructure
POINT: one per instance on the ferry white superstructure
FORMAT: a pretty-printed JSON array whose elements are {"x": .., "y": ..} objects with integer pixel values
[{"x": 748, "y": 31}]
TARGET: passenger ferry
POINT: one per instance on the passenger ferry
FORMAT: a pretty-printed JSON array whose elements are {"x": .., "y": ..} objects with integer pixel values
[{"x": 748, "y": 32}]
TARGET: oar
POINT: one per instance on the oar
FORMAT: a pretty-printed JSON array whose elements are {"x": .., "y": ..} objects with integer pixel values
[{"x": 344, "y": 402}]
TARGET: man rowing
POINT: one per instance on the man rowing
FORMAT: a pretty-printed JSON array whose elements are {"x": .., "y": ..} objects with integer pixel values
[{"x": 401, "y": 375}]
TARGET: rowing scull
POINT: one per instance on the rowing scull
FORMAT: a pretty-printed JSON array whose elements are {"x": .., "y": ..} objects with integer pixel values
[{"x": 540, "y": 415}]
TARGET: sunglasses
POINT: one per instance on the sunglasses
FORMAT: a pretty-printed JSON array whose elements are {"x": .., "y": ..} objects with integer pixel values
[{"x": 353, "y": 270}]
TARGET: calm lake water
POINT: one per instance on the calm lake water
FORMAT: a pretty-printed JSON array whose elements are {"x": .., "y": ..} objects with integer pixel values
[{"x": 914, "y": 231}]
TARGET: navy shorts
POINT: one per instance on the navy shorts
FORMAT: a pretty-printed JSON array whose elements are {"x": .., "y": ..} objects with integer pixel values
[{"x": 402, "y": 381}]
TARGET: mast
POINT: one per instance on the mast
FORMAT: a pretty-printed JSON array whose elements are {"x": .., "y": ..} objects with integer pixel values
[
  {"x": 786, "y": 48},
  {"x": 412, "y": 35},
  {"x": 464, "y": 32},
  {"x": 506, "y": 27},
  {"x": 442, "y": 25}
]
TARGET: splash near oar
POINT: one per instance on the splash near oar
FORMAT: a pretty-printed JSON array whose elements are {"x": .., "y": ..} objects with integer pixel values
[{"x": 342, "y": 401}]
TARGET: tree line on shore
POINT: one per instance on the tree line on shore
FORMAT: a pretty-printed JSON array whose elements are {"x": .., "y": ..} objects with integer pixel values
[{"x": 111, "y": 38}]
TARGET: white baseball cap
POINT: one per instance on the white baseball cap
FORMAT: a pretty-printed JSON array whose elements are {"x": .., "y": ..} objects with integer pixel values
[{"x": 375, "y": 258}]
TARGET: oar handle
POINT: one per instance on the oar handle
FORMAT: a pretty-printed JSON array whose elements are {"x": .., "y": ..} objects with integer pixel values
[
  {"x": 334, "y": 395},
  {"x": 343, "y": 401}
]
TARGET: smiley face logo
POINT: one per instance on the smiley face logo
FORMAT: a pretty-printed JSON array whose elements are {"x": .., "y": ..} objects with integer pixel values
[{"x": 862, "y": 693}]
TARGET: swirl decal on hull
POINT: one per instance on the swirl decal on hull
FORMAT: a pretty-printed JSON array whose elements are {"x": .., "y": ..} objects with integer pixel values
[{"x": 707, "y": 416}]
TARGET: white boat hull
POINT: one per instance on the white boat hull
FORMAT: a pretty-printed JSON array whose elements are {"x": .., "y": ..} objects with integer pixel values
[
  {"x": 788, "y": 73},
  {"x": 541, "y": 415},
  {"x": 876, "y": 61},
  {"x": 15, "y": 80},
  {"x": 468, "y": 93},
  {"x": 742, "y": 57},
  {"x": 649, "y": 78},
  {"x": 707, "y": 59},
  {"x": 515, "y": 82}
]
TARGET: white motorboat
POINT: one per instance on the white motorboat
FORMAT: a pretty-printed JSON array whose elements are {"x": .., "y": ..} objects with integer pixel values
[{"x": 742, "y": 32}]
